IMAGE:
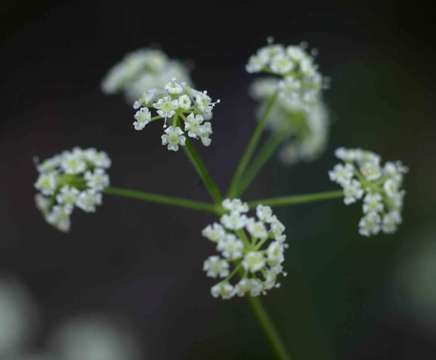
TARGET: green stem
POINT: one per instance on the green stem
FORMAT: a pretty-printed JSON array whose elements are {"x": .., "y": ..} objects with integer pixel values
[
  {"x": 268, "y": 328},
  {"x": 298, "y": 199},
  {"x": 246, "y": 157},
  {"x": 267, "y": 150},
  {"x": 163, "y": 199},
  {"x": 199, "y": 166}
]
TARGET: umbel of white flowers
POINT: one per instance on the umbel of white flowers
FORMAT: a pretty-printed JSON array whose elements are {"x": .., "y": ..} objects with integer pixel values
[
  {"x": 187, "y": 111},
  {"x": 363, "y": 177},
  {"x": 298, "y": 115},
  {"x": 72, "y": 179},
  {"x": 299, "y": 79},
  {"x": 142, "y": 70},
  {"x": 251, "y": 251}
]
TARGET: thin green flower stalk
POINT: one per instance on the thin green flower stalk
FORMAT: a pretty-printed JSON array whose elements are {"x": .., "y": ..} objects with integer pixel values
[
  {"x": 201, "y": 170},
  {"x": 298, "y": 199},
  {"x": 264, "y": 154},
  {"x": 163, "y": 199},
  {"x": 251, "y": 147},
  {"x": 269, "y": 329}
]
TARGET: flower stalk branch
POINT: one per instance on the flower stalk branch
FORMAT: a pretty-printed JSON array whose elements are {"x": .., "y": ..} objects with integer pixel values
[
  {"x": 251, "y": 147},
  {"x": 298, "y": 199},
  {"x": 201, "y": 169},
  {"x": 163, "y": 199}
]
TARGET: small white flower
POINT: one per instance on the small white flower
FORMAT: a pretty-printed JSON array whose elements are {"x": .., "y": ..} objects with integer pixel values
[
  {"x": 173, "y": 87},
  {"x": 88, "y": 200},
  {"x": 214, "y": 232},
  {"x": 243, "y": 287},
  {"x": 281, "y": 64},
  {"x": 166, "y": 107},
  {"x": 73, "y": 163},
  {"x": 256, "y": 287},
  {"x": 264, "y": 213},
  {"x": 275, "y": 253},
  {"x": 216, "y": 267},
  {"x": 142, "y": 117},
  {"x": 370, "y": 224},
  {"x": 205, "y": 131},
  {"x": 231, "y": 247},
  {"x": 173, "y": 137},
  {"x": 235, "y": 205},
  {"x": 97, "y": 180},
  {"x": 277, "y": 229},
  {"x": 223, "y": 290},
  {"x": 234, "y": 220},
  {"x": 42, "y": 203},
  {"x": 193, "y": 124},
  {"x": 59, "y": 217},
  {"x": 373, "y": 203},
  {"x": 371, "y": 170},
  {"x": 352, "y": 191},
  {"x": 342, "y": 174},
  {"x": 49, "y": 165},
  {"x": 257, "y": 229},
  {"x": 97, "y": 158},
  {"x": 184, "y": 102},
  {"x": 67, "y": 197},
  {"x": 391, "y": 187},
  {"x": 391, "y": 221},
  {"x": 46, "y": 183},
  {"x": 253, "y": 261}
]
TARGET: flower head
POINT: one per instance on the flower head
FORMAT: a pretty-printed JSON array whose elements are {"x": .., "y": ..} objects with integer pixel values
[
  {"x": 298, "y": 115},
  {"x": 363, "y": 177},
  {"x": 187, "y": 110},
  {"x": 72, "y": 179},
  {"x": 251, "y": 250},
  {"x": 300, "y": 80},
  {"x": 142, "y": 70}
]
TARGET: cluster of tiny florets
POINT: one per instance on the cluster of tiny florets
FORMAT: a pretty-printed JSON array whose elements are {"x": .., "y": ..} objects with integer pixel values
[
  {"x": 298, "y": 115},
  {"x": 72, "y": 179},
  {"x": 187, "y": 111},
  {"x": 300, "y": 81},
  {"x": 362, "y": 176},
  {"x": 251, "y": 251},
  {"x": 142, "y": 70}
]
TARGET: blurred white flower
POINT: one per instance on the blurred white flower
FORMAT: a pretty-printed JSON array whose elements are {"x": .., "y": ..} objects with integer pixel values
[
  {"x": 72, "y": 179},
  {"x": 18, "y": 318},
  {"x": 304, "y": 127},
  {"x": 94, "y": 338},
  {"x": 142, "y": 70}
]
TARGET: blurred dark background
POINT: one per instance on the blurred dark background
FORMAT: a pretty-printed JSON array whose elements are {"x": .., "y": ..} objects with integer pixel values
[{"x": 344, "y": 297}]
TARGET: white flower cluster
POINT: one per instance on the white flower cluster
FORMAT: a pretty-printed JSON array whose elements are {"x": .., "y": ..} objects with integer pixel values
[
  {"x": 305, "y": 127},
  {"x": 251, "y": 250},
  {"x": 72, "y": 179},
  {"x": 142, "y": 70},
  {"x": 363, "y": 177},
  {"x": 300, "y": 83},
  {"x": 187, "y": 110}
]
